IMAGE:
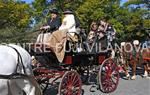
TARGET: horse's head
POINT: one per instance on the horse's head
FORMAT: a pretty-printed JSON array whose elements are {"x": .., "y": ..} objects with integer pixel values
[
  {"x": 126, "y": 47},
  {"x": 136, "y": 43},
  {"x": 122, "y": 44}
]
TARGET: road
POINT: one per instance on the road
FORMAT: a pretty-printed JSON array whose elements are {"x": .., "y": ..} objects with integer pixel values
[{"x": 140, "y": 86}]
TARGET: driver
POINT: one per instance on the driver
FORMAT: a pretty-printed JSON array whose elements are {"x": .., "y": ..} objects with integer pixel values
[{"x": 53, "y": 24}]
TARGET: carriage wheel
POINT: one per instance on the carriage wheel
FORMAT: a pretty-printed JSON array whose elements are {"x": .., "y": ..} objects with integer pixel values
[
  {"x": 43, "y": 82},
  {"x": 108, "y": 76},
  {"x": 70, "y": 84}
]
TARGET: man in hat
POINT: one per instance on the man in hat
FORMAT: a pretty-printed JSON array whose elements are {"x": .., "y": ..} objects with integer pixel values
[
  {"x": 53, "y": 24},
  {"x": 55, "y": 21}
]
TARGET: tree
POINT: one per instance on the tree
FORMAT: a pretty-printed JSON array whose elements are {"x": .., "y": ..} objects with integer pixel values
[
  {"x": 129, "y": 21},
  {"x": 14, "y": 14},
  {"x": 97, "y": 9},
  {"x": 14, "y": 19},
  {"x": 138, "y": 12}
]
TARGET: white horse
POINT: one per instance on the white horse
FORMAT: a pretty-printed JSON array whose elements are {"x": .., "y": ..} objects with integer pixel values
[{"x": 14, "y": 59}]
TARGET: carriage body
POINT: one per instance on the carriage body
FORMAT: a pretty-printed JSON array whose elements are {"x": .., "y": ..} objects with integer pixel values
[
  {"x": 85, "y": 58},
  {"x": 76, "y": 65}
]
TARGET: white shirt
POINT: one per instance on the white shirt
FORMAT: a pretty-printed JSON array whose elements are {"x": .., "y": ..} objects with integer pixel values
[{"x": 68, "y": 23}]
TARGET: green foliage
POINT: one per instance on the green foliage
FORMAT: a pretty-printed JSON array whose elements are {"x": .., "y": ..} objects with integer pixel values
[
  {"x": 14, "y": 19},
  {"x": 14, "y": 14},
  {"x": 10, "y": 35},
  {"x": 138, "y": 22},
  {"x": 98, "y": 9},
  {"x": 130, "y": 19}
]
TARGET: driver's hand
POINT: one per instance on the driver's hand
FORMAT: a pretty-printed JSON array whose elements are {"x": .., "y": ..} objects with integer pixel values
[
  {"x": 41, "y": 28},
  {"x": 45, "y": 27}
]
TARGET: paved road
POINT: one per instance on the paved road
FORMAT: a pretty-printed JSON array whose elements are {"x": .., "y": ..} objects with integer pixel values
[{"x": 140, "y": 86}]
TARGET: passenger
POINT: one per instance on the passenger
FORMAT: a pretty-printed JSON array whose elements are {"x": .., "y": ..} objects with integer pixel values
[
  {"x": 102, "y": 28},
  {"x": 92, "y": 33},
  {"x": 69, "y": 24},
  {"x": 53, "y": 24},
  {"x": 93, "y": 26}
]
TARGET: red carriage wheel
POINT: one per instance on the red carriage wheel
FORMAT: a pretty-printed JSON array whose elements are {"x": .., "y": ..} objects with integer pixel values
[
  {"x": 108, "y": 76},
  {"x": 42, "y": 81},
  {"x": 70, "y": 84}
]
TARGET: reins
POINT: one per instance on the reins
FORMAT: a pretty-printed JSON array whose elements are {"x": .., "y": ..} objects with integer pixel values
[{"x": 16, "y": 75}]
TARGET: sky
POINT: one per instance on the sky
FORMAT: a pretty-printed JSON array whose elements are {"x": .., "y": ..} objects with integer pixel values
[{"x": 29, "y": 1}]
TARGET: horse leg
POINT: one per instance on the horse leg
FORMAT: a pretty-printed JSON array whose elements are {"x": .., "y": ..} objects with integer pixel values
[
  {"x": 145, "y": 69},
  {"x": 133, "y": 69},
  {"x": 9, "y": 87},
  {"x": 29, "y": 86},
  {"x": 112, "y": 54},
  {"x": 148, "y": 67},
  {"x": 125, "y": 68},
  {"x": 14, "y": 88},
  {"x": 126, "y": 72},
  {"x": 4, "y": 87}
]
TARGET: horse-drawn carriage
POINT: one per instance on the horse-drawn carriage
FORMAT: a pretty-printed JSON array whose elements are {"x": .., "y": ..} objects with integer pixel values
[{"x": 76, "y": 68}]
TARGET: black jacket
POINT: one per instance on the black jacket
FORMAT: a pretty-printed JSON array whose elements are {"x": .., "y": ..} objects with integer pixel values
[{"x": 54, "y": 24}]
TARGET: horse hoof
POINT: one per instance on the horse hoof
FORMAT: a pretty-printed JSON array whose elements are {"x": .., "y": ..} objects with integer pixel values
[
  {"x": 133, "y": 77},
  {"x": 145, "y": 74},
  {"x": 128, "y": 77}
]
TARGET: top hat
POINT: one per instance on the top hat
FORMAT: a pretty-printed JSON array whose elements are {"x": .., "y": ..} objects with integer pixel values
[
  {"x": 67, "y": 12},
  {"x": 55, "y": 11}
]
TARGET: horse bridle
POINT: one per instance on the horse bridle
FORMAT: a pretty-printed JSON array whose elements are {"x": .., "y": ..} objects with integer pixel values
[{"x": 16, "y": 75}]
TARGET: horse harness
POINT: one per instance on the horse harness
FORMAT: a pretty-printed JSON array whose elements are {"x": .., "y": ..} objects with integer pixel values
[{"x": 16, "y": 75}]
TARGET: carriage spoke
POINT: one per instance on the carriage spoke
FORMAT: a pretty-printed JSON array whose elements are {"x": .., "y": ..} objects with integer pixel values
[
  {"x": 108, "y": 76},
  {"x": 72, "y": 84}
]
